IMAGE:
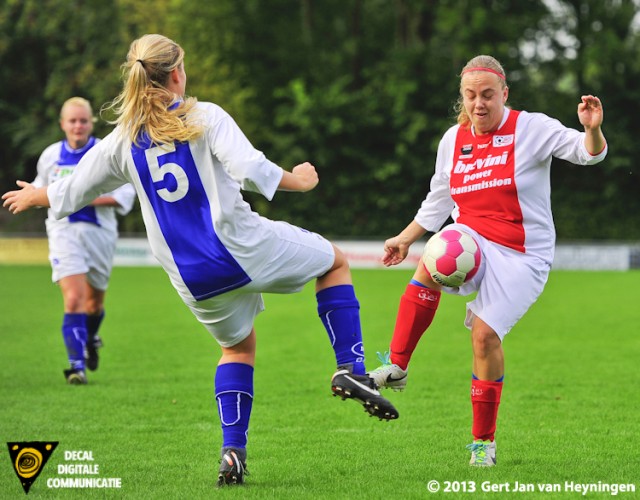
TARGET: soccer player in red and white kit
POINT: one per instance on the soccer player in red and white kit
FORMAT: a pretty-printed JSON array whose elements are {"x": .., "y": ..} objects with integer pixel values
[{"x": 492, "y": 177}]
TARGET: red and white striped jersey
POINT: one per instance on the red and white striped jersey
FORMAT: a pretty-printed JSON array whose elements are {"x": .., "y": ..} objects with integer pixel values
[{"x": 499, "y": 183}]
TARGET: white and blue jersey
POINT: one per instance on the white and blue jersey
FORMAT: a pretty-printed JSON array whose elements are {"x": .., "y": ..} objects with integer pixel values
[
  {"x": 200, "y": 228},
  {"x": 60, "y": 160},
  {"x": 83, "y": 242}
]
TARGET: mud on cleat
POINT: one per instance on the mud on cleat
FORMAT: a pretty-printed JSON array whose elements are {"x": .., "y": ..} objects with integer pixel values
[
  {"x": 364, "y": 390},
  {"x": 233, "y": 466}
]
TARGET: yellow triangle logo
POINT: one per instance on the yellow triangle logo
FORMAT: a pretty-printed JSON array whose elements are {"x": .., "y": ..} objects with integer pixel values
[{"x": 28, "y": 459}]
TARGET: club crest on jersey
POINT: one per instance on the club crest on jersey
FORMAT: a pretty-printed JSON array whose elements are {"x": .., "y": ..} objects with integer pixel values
[
  {"x": 466, "y": 149},
  {"x": 502, "y": 140}
]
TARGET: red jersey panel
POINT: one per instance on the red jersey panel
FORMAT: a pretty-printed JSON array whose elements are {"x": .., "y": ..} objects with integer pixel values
[{"x": 483, "y": 184}]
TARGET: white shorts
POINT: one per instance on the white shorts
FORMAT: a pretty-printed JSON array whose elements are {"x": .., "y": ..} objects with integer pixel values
[
  {"x": 81, "y": 248},
  {"x": 508, "y": 283},
  {"x": 300, "y": 256}
]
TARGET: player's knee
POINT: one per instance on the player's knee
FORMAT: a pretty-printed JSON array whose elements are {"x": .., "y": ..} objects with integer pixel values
[
  {"x": 340, "y": 262},
  {"x": 74, "y": 302},
  {"x": 485, "y": 341},
  {"x": 340, "y": 273}
]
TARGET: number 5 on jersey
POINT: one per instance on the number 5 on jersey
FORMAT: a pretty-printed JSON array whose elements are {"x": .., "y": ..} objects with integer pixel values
[{"x": 159, "y": 172}]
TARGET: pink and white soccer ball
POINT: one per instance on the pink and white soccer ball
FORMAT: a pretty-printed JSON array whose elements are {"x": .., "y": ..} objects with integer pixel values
[{"x": 451, "y": 257}]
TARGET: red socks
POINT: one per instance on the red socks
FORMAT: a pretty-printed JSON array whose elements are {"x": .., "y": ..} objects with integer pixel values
[
  {"x": 418, "y": 306},
  {"x": 485, "y": 399}
]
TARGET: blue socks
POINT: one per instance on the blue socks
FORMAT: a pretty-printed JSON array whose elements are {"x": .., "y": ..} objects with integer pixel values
[
  {"x": 339, "y": 311},
  {"x": 234, "y": 396},
  {"x": 74, "y": 333},
  {"x": 93, "y": 324}
]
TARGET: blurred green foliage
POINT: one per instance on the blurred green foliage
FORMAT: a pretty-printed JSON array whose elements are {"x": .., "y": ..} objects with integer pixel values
[{"x": 363, "y": 89}]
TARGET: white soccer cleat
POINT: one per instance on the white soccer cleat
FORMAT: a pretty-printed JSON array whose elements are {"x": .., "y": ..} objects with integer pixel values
[
  {"x": 483, "y": 453},
  {"x": 389, "y": 374}
]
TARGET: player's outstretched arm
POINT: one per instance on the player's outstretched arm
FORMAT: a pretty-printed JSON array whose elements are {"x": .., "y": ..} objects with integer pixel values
[
  {"x": 396, "y": 249},
  {"x": 25, "y": 198},
  {"x": 302, "y": 178}
]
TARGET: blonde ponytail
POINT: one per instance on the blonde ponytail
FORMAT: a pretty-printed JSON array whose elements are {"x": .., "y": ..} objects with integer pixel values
[{"x": 143, "y": 104}]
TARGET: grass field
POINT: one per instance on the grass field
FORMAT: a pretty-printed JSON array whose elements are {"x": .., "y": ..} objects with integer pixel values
[{"x": 569, "y": 410}]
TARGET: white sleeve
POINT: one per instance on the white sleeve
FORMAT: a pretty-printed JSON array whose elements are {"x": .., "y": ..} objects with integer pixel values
[
  {"x": 95, "y": 174},
  {"x": 248, "y": 166},
  {"x": 554, "y": 139},
  {"x": 438, "y": 204}
]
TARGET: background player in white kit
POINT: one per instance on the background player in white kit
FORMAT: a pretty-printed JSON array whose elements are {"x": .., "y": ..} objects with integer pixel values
[
  {"x": 188, "y": 162},
  {"x": 81, "y": 246},
  {"x": 492, "y": 177}
]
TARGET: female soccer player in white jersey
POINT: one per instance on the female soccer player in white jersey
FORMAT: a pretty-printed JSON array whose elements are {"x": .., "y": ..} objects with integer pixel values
[
  {"x": 188, "y": 162},
  {"x": 81, "y": 246},
  {"x": 492, "y": 177}
]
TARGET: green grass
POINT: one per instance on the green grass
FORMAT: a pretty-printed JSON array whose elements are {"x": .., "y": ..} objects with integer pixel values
[{"x": 569, "y": 408}]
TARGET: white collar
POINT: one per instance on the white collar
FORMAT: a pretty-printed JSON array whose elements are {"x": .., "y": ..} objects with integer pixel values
[{"x": 505, "y": 116}]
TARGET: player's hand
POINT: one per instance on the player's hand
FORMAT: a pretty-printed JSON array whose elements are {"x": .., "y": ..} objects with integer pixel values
[
  {"x": 590, "y": 112},
  {"x": 395, "y": 251},
  {"x": 306, "y": 176},
  {"x": 18, "y": 201}
]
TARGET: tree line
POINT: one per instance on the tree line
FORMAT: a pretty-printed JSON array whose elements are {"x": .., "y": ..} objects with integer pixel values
[{"x": 364, "y": 89}]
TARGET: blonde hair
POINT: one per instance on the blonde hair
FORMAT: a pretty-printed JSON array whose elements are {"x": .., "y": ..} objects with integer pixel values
[
  {"x": 481, "y": 61},
  {"x": 143, "y": 104},
  {"x": 77, "y": 101}
]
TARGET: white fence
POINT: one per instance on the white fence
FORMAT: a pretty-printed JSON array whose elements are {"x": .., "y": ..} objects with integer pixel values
[
  {"x": 361, "y": 254},
  {"x": 367, "y": 254}
]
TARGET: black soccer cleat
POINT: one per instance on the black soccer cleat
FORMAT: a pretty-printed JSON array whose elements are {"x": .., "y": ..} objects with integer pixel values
[
  {"x": 91, "y": 352},
  {"x": 75, "y": 377},
  {"x": 233, "y": 467},
  {"x": 364, "y": 390}
]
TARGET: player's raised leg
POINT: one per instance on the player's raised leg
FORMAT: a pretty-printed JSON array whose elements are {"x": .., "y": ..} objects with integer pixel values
[
  {"x": 418, "y": 306},
  {"x": 339, "y": 311}
]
